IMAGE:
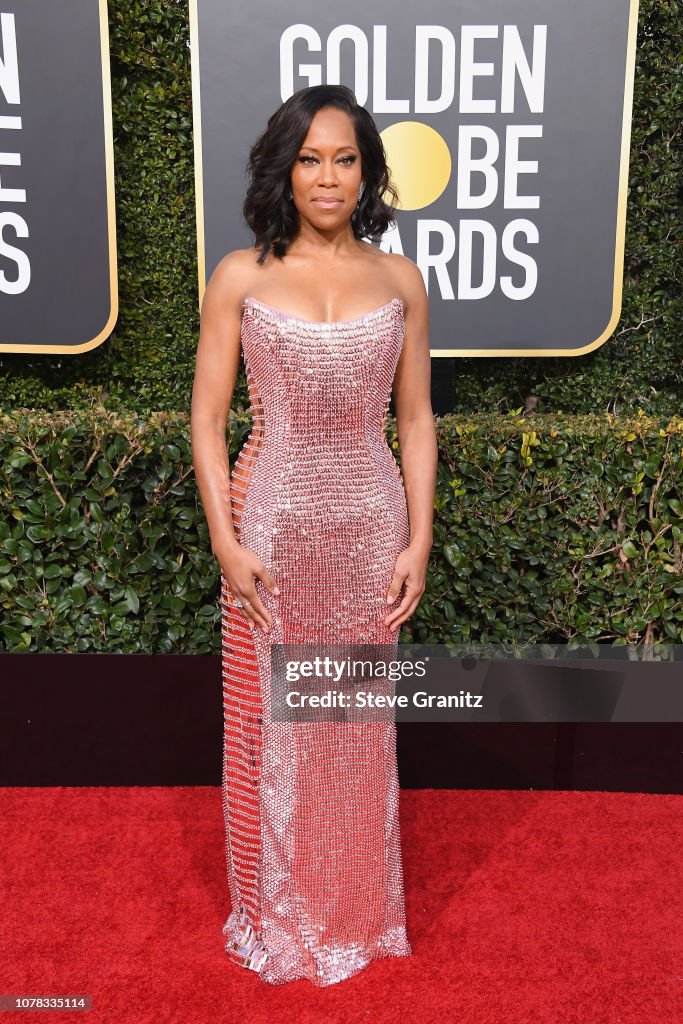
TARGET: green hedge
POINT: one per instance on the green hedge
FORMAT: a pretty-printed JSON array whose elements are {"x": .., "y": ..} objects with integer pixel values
[
  {"x": 546, "y": 528},
  {"x": 148, "y": 362}
]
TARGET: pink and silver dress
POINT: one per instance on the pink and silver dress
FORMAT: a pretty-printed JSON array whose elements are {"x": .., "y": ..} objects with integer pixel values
[{"x": 311, "y": 808}]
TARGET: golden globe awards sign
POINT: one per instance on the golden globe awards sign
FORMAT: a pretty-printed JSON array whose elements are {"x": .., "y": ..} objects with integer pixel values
[
  {"x": 58, "y": 289},
  {"x": 506, "y": 127}
]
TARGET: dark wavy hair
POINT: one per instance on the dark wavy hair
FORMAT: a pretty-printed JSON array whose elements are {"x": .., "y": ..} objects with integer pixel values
[{"x": 272, "y": 217}]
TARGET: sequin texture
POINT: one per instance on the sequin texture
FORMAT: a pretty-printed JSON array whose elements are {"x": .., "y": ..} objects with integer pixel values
[{"x": 311, "y": 809}]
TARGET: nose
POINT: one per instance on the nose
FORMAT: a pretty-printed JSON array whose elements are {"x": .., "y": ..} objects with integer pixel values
[{"x": 327, "y": 175}]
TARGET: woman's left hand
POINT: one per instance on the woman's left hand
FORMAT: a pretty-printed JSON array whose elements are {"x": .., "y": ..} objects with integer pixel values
[{"x": 411, "y": 569}]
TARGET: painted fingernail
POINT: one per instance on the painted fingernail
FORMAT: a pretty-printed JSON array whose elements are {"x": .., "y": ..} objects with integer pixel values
[
  {"x": 276, "y": 590},
  {"x": 390, "y": 599}
]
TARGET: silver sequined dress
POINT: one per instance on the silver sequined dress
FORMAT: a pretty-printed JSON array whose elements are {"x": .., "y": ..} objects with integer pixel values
[{"x": 311, "y": 810}]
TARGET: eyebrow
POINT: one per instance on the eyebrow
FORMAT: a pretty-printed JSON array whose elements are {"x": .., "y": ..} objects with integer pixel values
[{"x": 314, "y": 150}]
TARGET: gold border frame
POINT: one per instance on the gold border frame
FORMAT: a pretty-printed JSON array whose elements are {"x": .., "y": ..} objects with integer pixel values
[
  {"x": 197, "y": 143},
  {"x": 617, "y": 290},
  {"x": 86, "y": 346}
]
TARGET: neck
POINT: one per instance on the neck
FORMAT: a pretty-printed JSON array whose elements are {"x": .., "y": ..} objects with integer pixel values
[{"x": 323, "y": 244}]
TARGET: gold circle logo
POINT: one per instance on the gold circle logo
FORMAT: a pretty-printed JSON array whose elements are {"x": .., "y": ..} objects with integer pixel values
[{"x": 419, "y": 161}]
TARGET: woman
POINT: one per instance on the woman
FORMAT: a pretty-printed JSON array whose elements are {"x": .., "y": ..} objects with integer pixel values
[{"x": 314, "y": 532}]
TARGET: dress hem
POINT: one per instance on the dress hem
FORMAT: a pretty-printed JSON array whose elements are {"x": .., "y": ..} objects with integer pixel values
[{"x": 246, "y": 949}]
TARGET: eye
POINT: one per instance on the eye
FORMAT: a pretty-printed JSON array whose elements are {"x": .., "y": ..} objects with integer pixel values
[
  {"x": 305, "y": 159},
  {"x": 349, "y": 159}
]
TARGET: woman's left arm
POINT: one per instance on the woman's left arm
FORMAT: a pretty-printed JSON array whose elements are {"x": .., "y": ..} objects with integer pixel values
[{"x": 417, "y": 441}]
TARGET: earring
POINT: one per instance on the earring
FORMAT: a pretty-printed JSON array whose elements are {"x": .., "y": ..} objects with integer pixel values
[
  {"x": 289, "y": 193},
  {"x": 355, "y": 213}
]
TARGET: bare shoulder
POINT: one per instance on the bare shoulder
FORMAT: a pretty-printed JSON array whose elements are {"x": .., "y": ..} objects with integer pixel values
[
  {"x": 407, "y": 279},
  {"x": 232, "y": 276}
]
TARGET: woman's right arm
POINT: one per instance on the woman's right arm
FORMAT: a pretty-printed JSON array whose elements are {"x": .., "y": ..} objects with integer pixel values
[{"x": 216, "y": 369}]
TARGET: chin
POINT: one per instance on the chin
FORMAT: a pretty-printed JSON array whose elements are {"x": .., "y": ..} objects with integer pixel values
[{"x": 328, "y": 219}]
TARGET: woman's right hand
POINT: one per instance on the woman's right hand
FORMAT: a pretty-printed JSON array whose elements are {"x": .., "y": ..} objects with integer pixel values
[{"x": 240, "y": 567}]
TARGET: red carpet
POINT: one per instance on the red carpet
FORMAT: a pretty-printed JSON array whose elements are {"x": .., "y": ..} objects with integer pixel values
[{"x": 523, "y": 907}]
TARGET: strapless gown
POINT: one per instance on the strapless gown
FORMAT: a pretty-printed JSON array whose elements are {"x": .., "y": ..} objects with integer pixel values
[{"x": 312, "y": 809}]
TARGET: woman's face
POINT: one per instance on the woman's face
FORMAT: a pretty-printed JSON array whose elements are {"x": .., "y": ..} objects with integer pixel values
[{"x": 327, "y": 175}]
